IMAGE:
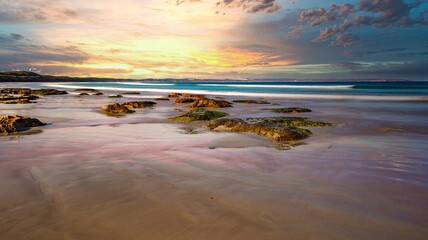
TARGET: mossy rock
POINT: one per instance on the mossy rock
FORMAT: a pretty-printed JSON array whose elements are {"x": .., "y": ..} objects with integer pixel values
[
  {"x": 290, "y": 110},
  {"x": 15, "y": 123},
  {"x": 198, "y": 115},
  {"x": 292, "y": 121},
  {"x": 276, "y": 132}
]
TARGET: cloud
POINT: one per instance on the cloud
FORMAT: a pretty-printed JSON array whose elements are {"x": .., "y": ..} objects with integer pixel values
[
  {"x": 249, "y": 6},
  {"x": 35, "y": 11},
  {"x": 372, "y": 13},
  {"x": 16, "y": 50}
]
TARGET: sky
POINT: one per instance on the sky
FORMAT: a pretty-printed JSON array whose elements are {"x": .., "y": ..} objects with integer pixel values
[{"x": 217, "y": 39}]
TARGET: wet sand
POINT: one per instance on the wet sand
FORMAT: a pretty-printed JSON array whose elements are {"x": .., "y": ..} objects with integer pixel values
[{"x": 90, "y": 176}]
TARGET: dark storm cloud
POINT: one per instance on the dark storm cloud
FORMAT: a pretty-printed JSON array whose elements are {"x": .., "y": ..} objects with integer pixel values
[{"x": 374, "y": 13}]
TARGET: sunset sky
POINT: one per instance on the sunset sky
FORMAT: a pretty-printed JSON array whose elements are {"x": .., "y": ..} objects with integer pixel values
[{"x": 216, "y": 38}]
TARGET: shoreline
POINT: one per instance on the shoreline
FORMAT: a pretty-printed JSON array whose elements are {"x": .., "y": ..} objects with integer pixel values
[{"x": 90, "y": 176}]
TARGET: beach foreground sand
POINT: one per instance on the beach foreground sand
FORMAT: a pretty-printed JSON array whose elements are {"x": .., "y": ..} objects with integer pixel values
[{"x": 91, "y": 176}]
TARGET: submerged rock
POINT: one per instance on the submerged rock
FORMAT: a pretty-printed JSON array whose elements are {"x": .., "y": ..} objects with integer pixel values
[
  {"x": 15, "y": 123},
  {"x": 84, "y": 94},
  {"x": 115, "y": 96},
  {"x": 16, "y": 100},
  {"x": 98, "y": 94},
  {"x": 116, "y": 109},
  {"x": 184, "y": 100},
  {"x": 290, "y": 110},
  {"x": 174, "y": 95},
  {"x": 139, "y": 104},
  {"x": 85, "y": 90},
  {"x": 198, "y": 115},
  {"x": 274, "y": 131},
  {"x": 251, "y": 101},
  {"x": 132, "y": 93},
  {"x": 190, "y": 95},
  {"x": 161, "y": 99},
  {"x": 207, "y": 102},
  {"x": 292, "y": 121}
]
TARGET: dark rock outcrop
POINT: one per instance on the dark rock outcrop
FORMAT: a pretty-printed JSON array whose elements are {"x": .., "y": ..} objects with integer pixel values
[
  {"x": 210, "y": 103},
  {"x": 85, "y": 90},
  {"x": 115, "y": 96},
  {"x": 132, "y": 93},
  {"x": 274, "y": 131},
  {"x": 98, "y": 94},
  {"x": 161, "y": 99},
  {"x": 251, "y": 101},
  {"x": 15, "y": 123},
  {"x": 290, "y": 110},
  {"x": 198, "y": 115}
]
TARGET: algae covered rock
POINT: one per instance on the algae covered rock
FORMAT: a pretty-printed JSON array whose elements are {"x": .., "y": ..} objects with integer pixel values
[
  {"x": 210, "y": 103},
  {"x": 290, "y": 110},
  {"x": 15, "y": 123},
  {"x": 184, "y": 100},
  {"x": 190, "y": 95},
  {"x": 15, "y": 100},
  {"x": 292, "y": 121},
  {"x": 251, "y": 101},
  {"x": 116, "y": 109},
  {"x": 198, "y": 115},
  {"x": 274, "y": 131},
  {"x": 28, "y": 91},
  {"x": 174, "y": 95},
  {"x": 139, "y": 104}
]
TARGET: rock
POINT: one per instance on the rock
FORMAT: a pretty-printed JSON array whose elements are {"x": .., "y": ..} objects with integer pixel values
[
  {"x": 174, "y": 95},
  {"x": 207, "y": 102},
  {"x": 15, "y": 100},
  {"x": 291, "y": 121},
  {"x": 85, "y": 90},
  {"x": 184, "y": 100},
  {"x": 115, "y": 96},
  {"x": 131, "y": 93},
  {"x": 198, "y": 115},
  {"x": 251, "y": 101},
  {"x": 28, "y": 91},
  {"x": 161, "y": 99},
  {"x": 98, "y": 94},
  {"x": 274, "y": 131},
  {"x": 139, "y": 104},
  {"x": 84, "y": 94},
  {"x": 116, "y": 109},
  {"x": 189, "y": 95},
  {"x": 43, "y": 92},
  {"x": 14, "y": 123},
  {"x": 290, "y": 110}
]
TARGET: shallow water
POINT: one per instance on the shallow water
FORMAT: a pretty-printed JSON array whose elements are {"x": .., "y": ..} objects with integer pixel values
[{"x": 91, "y": 176}]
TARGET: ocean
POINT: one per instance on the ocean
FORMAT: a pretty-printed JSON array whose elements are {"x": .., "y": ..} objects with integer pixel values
[{"x": 389, "y": 91}]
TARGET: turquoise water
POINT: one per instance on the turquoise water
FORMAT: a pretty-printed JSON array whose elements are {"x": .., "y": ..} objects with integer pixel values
[{"x": 371, "y": 90}]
